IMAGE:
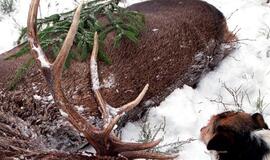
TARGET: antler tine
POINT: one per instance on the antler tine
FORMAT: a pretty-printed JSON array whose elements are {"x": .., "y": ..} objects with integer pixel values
[
  {"x": 129, "y": 146},
  {"x": 127, "y": 107},
  {"x": 95, "y": 80},
  {"x": 63, "y": 53},
  {"x": 32, "y": 36},
  {"x": 108, "y": 129},
  {"x": 31, "y": 22},
  {"x": 53, "y": 79},
  {"x": 124, "y": 109},
  {"x": 147, "y": 155}
]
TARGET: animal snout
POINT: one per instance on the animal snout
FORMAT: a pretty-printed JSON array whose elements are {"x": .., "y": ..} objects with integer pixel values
[{"x": 203, "y": 128}]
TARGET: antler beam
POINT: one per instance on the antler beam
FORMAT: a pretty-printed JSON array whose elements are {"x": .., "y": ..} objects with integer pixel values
[
  {"x": 103, "y": 139},
  {"x": 53, "y": 72}
]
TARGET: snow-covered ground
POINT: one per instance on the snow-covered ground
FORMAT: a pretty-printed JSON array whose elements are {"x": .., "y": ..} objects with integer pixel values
[
  {"x": 11, "y": 24},
  {"x": 245, "y": 73}
]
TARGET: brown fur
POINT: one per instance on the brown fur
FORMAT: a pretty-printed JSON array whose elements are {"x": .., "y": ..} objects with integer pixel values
[{"x": 166, "y": 59}]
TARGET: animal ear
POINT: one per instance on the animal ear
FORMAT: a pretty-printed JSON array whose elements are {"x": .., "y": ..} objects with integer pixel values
[
  {"x": 221, "y": 142},
  {"x": 259, "y": 121}
]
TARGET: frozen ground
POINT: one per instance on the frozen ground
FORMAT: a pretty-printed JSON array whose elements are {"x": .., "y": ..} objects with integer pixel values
[{"x": 245, "y": 73}]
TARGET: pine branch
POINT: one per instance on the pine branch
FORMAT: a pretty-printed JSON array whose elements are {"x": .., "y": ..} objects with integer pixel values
[{"x": 53, "y": 30}]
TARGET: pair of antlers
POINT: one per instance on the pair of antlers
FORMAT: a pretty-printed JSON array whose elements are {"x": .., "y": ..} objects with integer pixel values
[{"x": 102, "y": 138}]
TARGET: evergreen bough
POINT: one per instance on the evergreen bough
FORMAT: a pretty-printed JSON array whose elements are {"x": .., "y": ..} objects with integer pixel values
[{"x": 52, "y": 30}]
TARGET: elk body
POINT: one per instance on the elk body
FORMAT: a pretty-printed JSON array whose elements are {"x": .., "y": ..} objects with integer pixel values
[{"x": 182, "y": 40}]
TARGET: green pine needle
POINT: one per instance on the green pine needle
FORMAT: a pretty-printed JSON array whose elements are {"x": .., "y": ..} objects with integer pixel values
[{"x": 52, "y": 31}]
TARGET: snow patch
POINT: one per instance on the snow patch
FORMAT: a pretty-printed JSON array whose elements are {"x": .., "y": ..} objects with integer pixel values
[
  {"x": 94, "y": 75},
  {"x": 44, "y": 99},
  {"x": 11, "y": 25},
  {"x": 112, "y": 111},
  {"x": 109, "y": 82},
  {"x": 186, "y": 110},
  {"x": 80, "y": 108},
  {"x": 41, "y": 56},
  {"x": 37, "y": 97},
  {"x": 155, "y": 29},
  {"x": 64, "y": 114},
  {"x": 126, "y": 3}
]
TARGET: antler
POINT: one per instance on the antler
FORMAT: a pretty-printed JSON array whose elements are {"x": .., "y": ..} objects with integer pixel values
[{"x": 102, "y": 138}]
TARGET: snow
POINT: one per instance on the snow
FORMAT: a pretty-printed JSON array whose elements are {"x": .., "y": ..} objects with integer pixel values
[
  {"x": 112, "y": 111},
  {"x": 44, "y": 99},
  {"x": 80, "y": 108},
  {"x": 41, "y": 56},
  {"x": 10, "y": 25},
  {"x": 37, "y": 97},
  {"x": 126, "y": 3},
  {"x": 155, "y": 29},
  {"x": 246, "y": 73},
  {"x": 64, "y": 114},
  {"x": 109, "y": 82},
  {"x": 94, "y": 75}
]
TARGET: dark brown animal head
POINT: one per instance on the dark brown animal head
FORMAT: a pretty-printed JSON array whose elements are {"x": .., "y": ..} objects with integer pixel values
[{"x": 225, "y": 131}]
